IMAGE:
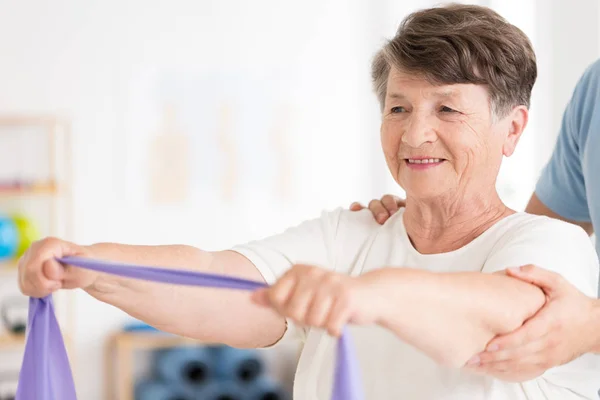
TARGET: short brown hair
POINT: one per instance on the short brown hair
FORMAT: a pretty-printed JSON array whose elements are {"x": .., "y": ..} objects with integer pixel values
[{"x": 462, "y": 44}]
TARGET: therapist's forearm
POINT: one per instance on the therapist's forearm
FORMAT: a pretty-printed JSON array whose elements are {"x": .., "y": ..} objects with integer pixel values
[
  {"x": 535, "y": 206},
  {"x": 206, "y": 314},
  {"x": 452, "y": 316}
]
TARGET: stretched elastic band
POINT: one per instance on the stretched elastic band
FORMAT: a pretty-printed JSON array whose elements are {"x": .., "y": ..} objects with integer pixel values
[{"x": 46, "y": 374}]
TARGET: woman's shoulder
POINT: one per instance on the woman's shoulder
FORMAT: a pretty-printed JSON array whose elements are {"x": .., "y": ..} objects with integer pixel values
[
  {"x": 353, "y": 229},
  {"x": 360, "y": 224},
  {"x": 525, "y": 224},
  {"x": 549, "y": 243},
  {"x": 364, "y": 220},
  {"x": 542, "y": 233}
]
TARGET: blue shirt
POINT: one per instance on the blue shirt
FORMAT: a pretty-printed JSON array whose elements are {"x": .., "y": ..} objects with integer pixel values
[{"x": 570, "y": 182}]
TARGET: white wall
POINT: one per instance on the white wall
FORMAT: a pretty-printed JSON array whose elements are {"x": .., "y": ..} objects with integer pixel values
[
  {"x": 572, "y": 30},
  {"x": 95, "y": 61}
]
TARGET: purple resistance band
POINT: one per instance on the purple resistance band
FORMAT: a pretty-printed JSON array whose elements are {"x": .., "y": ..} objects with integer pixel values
[{"x": 46, "y": 373}]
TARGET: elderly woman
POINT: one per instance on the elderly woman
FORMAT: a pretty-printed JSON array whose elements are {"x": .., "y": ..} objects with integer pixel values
[{"x": 424, "y": 292}]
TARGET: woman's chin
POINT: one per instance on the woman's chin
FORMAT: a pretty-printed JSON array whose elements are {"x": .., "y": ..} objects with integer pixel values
[{"x": 424, "y": 192}]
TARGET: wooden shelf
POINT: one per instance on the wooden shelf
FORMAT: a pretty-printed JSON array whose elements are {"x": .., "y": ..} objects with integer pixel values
[
  {"x": 46, "y": 198},
  {"x": 11, "y": 341},
  {"x": 150, "y": 340},
  {"x": 33, "y": 191},
  {"x": 20, "y": 120},
  {"x": 8, "y": 268},
  {"x": 119, "y": 353}
]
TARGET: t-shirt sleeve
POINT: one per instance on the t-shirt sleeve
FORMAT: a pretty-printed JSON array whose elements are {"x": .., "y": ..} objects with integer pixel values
[
  {"x": 332, "y": 241},
  {"x": 310, "y": 242},
  {"x": 551, "y": 244},
  {"x": 561, "y": 186},
  {"x": 567, "y": 250}
]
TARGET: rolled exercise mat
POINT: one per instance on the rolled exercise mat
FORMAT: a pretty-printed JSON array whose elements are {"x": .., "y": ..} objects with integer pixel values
[
  {"x": 45, "y": 371},
  {"x": 139, "y": 326},
  {"x": 189, "y": 366},
  {"x": 266, "y": 389},
  {"x": 157, "y": 390},
  {"x": 241, "y": 365},
  {"x": 221, "y": 390}
]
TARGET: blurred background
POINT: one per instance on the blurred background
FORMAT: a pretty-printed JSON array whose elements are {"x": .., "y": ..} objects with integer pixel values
[{"x": 210, "y": 123}]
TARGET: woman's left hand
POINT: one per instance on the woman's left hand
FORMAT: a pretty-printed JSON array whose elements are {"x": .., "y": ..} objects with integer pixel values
[{"x": 319, "y": 298}]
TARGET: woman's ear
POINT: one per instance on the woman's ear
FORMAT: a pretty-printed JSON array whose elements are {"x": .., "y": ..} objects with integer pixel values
[{"x": 517, "y": 120}]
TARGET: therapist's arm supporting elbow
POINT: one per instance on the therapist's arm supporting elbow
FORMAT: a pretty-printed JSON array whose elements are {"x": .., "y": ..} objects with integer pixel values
[
  {"x": 448, "y": 316},
  {"x": 451, "y": 316}
]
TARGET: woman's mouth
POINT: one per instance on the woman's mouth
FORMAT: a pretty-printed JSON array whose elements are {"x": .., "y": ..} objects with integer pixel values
[{"x": 423, "y": 163}]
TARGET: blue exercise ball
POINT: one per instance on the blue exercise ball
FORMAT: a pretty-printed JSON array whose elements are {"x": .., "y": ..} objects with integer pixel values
[{"x": 9, "y": 238}]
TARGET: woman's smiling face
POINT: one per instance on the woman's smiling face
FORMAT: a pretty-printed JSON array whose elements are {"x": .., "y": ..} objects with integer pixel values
[{"x": 444, "y": 140}]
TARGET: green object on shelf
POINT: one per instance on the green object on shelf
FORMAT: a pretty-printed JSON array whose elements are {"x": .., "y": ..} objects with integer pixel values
[{"x": 28, "y": 233}]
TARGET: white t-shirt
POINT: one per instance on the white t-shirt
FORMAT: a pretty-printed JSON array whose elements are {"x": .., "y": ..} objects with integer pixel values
[{"x": 353, "y": 243}]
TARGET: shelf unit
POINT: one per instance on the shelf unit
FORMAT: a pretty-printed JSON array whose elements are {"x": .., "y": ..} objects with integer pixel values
[
  {"x": 49, "y": 200},
  {"x": 119, "y": 352},
  {"x": 8, "y": 269},
  {"x": 40, "y": 191},
  {"x": 10, "y": 341}
]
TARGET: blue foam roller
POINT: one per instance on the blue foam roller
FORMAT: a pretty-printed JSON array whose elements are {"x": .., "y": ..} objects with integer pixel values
[
  {"x": 155, "y": 390},
  {"x": 265, "y": 389},
  {"x": 189, "y": 366},
  {"x": 9, "y": 238},
  {"x": 221, "y": 390},
  {"x": 238, "y": 365}
]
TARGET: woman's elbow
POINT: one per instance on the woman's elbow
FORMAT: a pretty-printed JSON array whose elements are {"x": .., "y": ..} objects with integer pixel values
[
  {"x": 459, "y": 356},
  {"x": 524, "y": 306},
  {"x": 470, "y": 339},
  {"x": 477, "y": 331},
  {"x": 452, "y": 361}
]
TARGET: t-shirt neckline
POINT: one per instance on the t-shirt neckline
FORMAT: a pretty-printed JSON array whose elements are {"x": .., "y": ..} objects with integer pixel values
[{"x": 466, "y": 247}]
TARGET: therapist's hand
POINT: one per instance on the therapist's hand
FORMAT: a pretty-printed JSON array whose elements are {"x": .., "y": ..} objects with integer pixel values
[
  {"x": 563, "y": 329},
  {"x": 40, "y": 274},
  {"x": 381, "y": 209},
  {"x": 319, "y": 298}
]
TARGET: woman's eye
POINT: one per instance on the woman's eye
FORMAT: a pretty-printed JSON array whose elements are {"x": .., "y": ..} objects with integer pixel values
[
  {"x": 396, "y": 110},
  {"x": 447, "y": 109}
]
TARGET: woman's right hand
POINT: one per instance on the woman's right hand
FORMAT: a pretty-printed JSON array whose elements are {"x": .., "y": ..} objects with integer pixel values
[
  {"x": 381, "y": 209},
  {"x": 41, "y": 275}
]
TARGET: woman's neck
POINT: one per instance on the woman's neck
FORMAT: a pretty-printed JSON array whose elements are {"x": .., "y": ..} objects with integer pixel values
[{"x": 441, "y": 225}]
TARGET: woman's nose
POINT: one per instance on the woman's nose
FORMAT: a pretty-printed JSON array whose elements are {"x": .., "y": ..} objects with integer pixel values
[{"x": 420, "y": 130}]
